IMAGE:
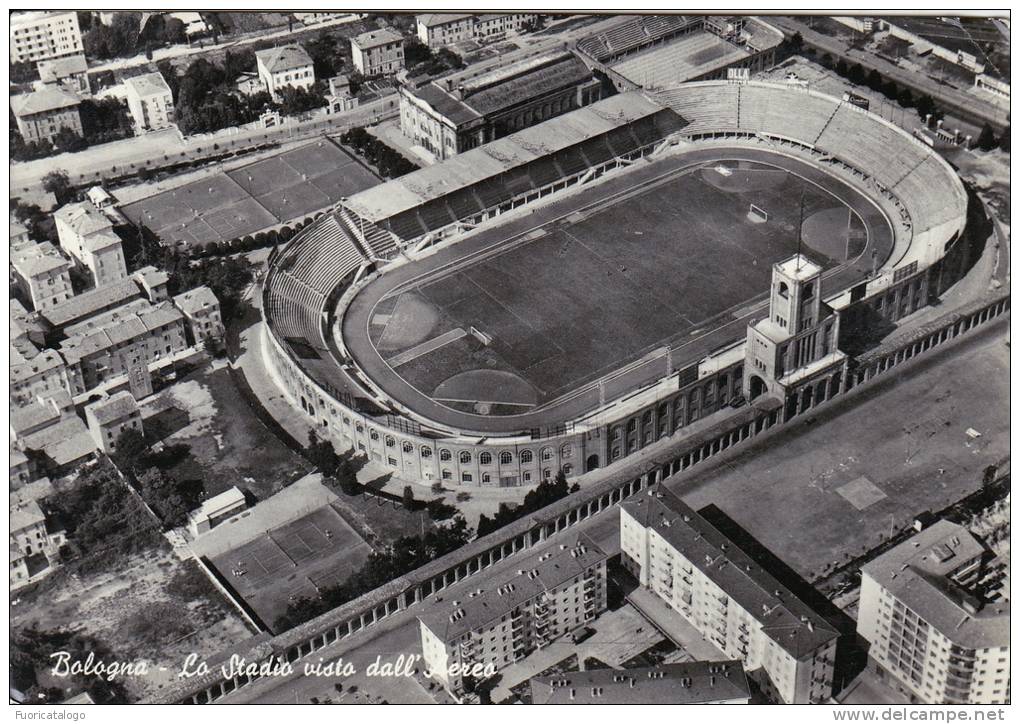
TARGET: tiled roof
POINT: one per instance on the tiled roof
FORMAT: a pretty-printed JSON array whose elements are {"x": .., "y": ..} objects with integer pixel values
[
  {"x": 31, "y": 261},
  {"x": 60, "y": 68},
  {"x": 113, "y": 408},
  {"x": 375, "y": 38},
  {"x": 288, "y": 57},
  {"x": 92, "y": 302},
  {"x": 789, "y": 621},
  {"x": 42, "y": 362},
  {"x": 26, "y": 515},
  {"x": 430, "y": 20},
  {"x": 83, "y": 218},
  {"x": 195, "y": 300},
  {"x": 48, "y": 99}
]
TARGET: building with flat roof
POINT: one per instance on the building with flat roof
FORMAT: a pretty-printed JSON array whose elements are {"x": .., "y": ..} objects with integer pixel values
[
  {"x": 42, "y": 114},
  {"x": 933, "y": 635},
  {"x": 507, "y": 616},
  {"x": 150, "y": 101},
  {"x": 785, "y": 645},
  {"x": 460, "y": 111},
  {"x": 71, "y": 73},
  {"x": 38, "y": 35},
  {"x": 693, "y": 682},
  {"x": 110, "y": 417},
  {"x": 86, "y": 233},
  {"x": 215, "y": 510},
  {"x": 378, "y": 52},
  {"x": 201, "y": 310},
  {"x": 289, "y": 65},
  {"x": 42, "y": 274}
]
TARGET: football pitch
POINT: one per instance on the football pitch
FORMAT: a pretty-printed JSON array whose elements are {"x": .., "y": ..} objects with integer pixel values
[
  {"x": 225, "y": 206},
  {"x": 606, "y": 288}
]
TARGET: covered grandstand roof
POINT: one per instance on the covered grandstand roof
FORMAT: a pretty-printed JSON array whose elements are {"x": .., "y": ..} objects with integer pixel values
[{"x": 479, "y": 164}]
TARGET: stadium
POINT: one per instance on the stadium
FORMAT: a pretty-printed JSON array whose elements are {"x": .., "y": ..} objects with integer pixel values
[{"x": 563, "y": 297}]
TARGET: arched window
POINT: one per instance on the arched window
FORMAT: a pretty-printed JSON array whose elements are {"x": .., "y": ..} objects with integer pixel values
[
  {"x": 445, "y": 455},
  {"x": 485, "y": 458},
  {"x": 505, "y": 458},
  {"x": 547, "y": 454},
  {"x": 527, "y": 456},
  {"x": 784, "y": 291},
  {"x": 663, "y": 411},
  {"x": 546, "y": 473},
  {"x": 632, "y": 426},
  {"x": 568, "y": 469},
  {"x": 390, "y": 442},
  {"x": 566, "y": 451},
  {"x": 426, "y": 452},
  {"x": 465, "y": 457},
  {"x": 486, "y": 478},
  {"x": 408, "y": 447},
  {"x": 359, "y": 427},
  {"x": 646, "y": 419},
  {"x": 466, "y": 477}
]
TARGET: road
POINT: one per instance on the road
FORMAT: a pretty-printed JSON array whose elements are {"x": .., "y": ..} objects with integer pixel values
[
  {"x": 756, "y": 485},
  {"x": 967, "y": 105}
]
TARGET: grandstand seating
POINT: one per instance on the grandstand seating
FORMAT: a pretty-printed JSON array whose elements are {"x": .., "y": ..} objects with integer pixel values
[
  {"x": 926, "y": 190},
  {"x": 295, "y": 309},
  {"x": 632, "y": 34}
]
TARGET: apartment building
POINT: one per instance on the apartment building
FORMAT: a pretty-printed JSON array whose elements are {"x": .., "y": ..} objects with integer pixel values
[
  {"x": 440, "y": 29},
  {"x": 86, "y": 234},
  {"x": 784, "y": 644},
  {"x": 70, "y": 73},
  {"x": 286, "y": 66},
  {"x": 496, "y": 26},
  {"x": 42, "y": 274},
  {"x": 378, "y": 52},
  {"x": 150, "y": 101},
  {"x": 41, "y": 35},
  {"x": 110, "y": 417},
  {"x": 933, "y": 636},
  {"x": 42, "y": 114},
  {"x": 108, "y": 346},
  {"x": 692, "y": 682},
  {"x": 33, "y": 373},
  {"x": 201, "y": 310},
  {"x": 19, "y": 233},
  {"x": 508, "y": 616}
]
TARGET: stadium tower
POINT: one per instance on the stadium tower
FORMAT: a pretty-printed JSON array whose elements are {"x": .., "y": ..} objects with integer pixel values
[{"x": 791, "y": 355}]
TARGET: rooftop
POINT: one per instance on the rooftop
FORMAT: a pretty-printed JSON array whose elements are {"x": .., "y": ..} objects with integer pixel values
[
  {"x": 92, "y": 302},
  {"x": 36, "y": 259},
  {"x": 500, "y": 592},
  {"x": 694, "y": 682},
  {"x": 215, "y": 505},
  {"x": 113, "y": 408},
  {"x": 17, "y": 228},
  {"x": 26, "y": 515},
  {"x": 41, "y": 101},
  {"x": 918, "y": 573},
  {"x": 65, "y": 442},
  {"x": 31, "y": 416},
  {"x": 798, "y": 267},
  {"x": 115, "y": 327},
  {"x": 195, "y": 300},
  {"x": 27, "y": 368},
  {"x": 375, "y": 38},
  {"x": 786, "y": 619},
  {"x": 60, "y": 68},
  {"x": 431, "y": 20},
  {"x": 83, "y": 218},
  {"x": 468, "y": 168},
  {"x": 287, "y": 57},
  {"x": 149, "y": 84}
]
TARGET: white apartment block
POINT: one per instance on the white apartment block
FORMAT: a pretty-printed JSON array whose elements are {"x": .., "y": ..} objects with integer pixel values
[
  {"x": 931, "y": 636},
  {"x": 289, "y": 65},
  {"x": 508, "y": 616},
  {"x": 201, "y": 311},
  {"x": 150, "y": 101},
  {"x": 378, "y": 52},
  {"x": 110, "y": 417},
  {"x": 42, "y": 274},
  {"x": 437, "y": 30},
  {"x": 783, "y": 643},
  {"x": 87, "y": 235},
  {"x": 41, "y": 35}
]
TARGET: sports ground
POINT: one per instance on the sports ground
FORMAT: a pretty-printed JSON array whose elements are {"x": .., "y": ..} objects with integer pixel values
[
  {"x": 608, "y": 287},
  {"x": 292, "y": 561},
  {"x": 285, "y": 187}
]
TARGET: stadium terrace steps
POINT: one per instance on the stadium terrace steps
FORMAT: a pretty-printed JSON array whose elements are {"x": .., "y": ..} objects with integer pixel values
[
  {"x": 630, "y": 35},
  {"x": 761, "y": 111},
  {"x": 708, "y": 107}
]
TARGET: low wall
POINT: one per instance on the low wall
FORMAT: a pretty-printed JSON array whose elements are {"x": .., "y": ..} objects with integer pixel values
[{"x": 417, "y": 586}]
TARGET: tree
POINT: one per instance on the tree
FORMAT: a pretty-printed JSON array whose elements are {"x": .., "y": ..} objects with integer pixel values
[
  {"x": 988, "y": 476},
  {"x": 168, "y": 498},
  {"x": 796, "y": 43},
  {"x": 408, "y": 497},
  {"x": 58, "y": 184},
  {"x": 130, "y": 450},
  {"x": 321, "y": 454},
  {"x": 986, "y": 139}
]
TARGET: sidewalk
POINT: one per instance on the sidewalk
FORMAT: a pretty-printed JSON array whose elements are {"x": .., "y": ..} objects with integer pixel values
[{"x": 674, "y": 626}]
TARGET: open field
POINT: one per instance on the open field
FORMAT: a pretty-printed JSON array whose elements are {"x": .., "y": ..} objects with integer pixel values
[
  {"x": 155, "y": 608},
  {"x": 284, "y": 187},
  {"x": 229, "y": 445},
  {"x": 296, "y": 560},
  {"x": 573, "y": 302}
]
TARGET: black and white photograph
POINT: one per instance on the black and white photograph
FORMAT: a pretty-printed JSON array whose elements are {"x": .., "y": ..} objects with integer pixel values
[{"x": 529, "y": 356}]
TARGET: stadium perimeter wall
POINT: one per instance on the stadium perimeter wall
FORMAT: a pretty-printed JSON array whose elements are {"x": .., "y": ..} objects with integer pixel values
[{"x": 417, "y": 586}]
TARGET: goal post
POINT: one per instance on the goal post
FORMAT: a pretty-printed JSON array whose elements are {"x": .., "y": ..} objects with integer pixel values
[{"x": 758, "y": 213}]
